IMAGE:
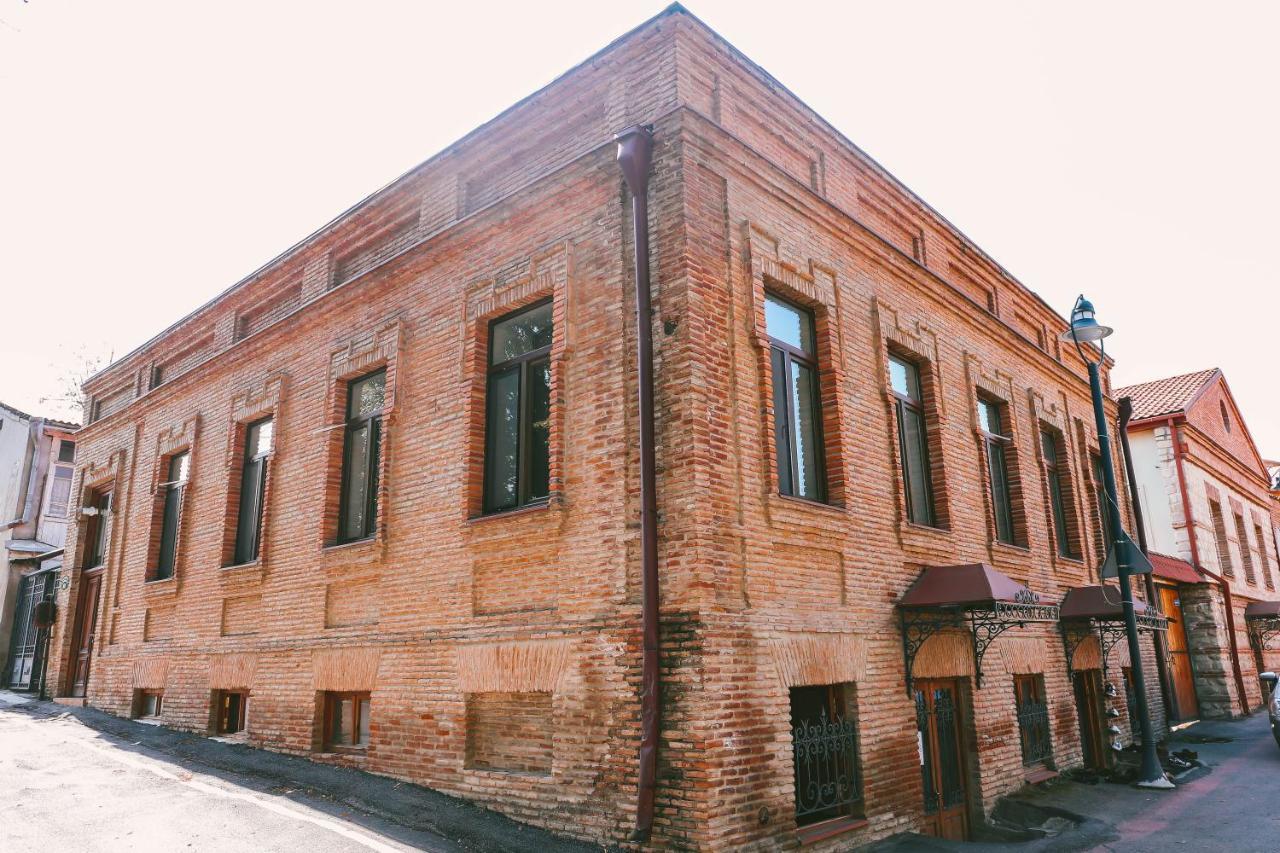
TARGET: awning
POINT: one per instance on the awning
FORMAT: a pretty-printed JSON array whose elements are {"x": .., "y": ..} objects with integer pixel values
[
  {"x": 1262, "y": 620},
  {"x": 973, "y": 596},
  {"x": 1262, "y": 610},
  {"x": 1173, "y": 569},
  {"x": 1096, "y": 611}
]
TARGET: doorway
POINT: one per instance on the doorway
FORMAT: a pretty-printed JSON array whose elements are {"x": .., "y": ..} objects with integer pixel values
[
  {"x": 85, "y": 628},
  {"x": 1181, "y": 678},
  {"x": 27, "y": 643},
  {"x": 939, "y": 731},
  {"x": 1090, "y": 711}
]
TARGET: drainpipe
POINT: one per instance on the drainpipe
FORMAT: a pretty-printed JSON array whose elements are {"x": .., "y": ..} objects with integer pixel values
[
  {"x": 635, "y": 155},
  {"x": 1195, "y": 561},
  {"x": 1161, "y": 642}
]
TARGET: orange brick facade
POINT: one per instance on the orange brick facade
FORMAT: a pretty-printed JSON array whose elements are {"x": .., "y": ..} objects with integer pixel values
[{"x": 502, "y": 653}]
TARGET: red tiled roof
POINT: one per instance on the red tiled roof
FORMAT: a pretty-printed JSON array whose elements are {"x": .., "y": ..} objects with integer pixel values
[
  {"x": 1173, "y": 569},
  {"x": 1165, "y": 396}
]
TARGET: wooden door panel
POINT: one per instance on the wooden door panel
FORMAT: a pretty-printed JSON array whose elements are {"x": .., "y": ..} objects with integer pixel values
[
  {"x": 86, "y": 623},
  {"x": 940, "y": 732}
]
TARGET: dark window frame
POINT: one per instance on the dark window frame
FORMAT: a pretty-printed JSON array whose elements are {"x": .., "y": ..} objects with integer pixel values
[
  {"x": 175, "y": 488},
  {"x": 1057, "y": 474},
  {"x": 905, "y": 405},
  {"x": 253, "y": 465},
  {"x": 230, "y": 717},
  {"x": 1100, "y": 500},
  {"x": 997, "y": 447},
  {"x": 96, "y": 540},
  {"x": 1246, "y": 554},
  {"x": 65, "y": 444},
  {"x": 353, "y": 424},
  {"x": 331, "y": 700},
  {"x": 524, "y": 363},
  {"x": 786, "y": 448},
  {"x": 140, "y": 704}
]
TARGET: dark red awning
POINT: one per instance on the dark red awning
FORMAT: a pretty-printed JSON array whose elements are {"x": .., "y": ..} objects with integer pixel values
[
  {"x": 959, "y": 586},
  {"x": 1097, "y": 602},
  {"x": 1262, "y": 610},
  {"x": 1173, "y": 569}
]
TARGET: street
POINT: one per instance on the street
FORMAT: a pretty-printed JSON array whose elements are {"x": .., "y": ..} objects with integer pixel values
[{"x": 80, "y": 780}]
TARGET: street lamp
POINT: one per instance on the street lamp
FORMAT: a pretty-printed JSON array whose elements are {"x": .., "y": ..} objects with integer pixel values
[{"x": 1085, "y": 328}]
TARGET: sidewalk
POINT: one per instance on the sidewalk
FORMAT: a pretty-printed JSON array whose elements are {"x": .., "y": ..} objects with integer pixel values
[
  {"x": 79, "y": 779},
  {"x": 1230, "y": 805}
]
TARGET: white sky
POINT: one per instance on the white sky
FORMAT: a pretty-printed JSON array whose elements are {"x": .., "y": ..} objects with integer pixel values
[{"x": 152, "y": 154}]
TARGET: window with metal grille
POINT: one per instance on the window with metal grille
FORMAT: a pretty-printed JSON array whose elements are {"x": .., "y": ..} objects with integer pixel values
[
  {"x": 797, "y": 399},
  {"x": 517, "y": 469},
  {"x": 913, "y": 440},
  {"x": 361, "y": 457},
  {"x": 1033, "y": 720},
  {"x": 825, "y": 748}
]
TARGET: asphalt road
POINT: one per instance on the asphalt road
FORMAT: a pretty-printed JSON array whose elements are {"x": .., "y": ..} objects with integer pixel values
[{"x": 80, "y": 780}]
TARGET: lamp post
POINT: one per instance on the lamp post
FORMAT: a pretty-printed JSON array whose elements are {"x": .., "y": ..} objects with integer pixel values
[{"x": 1086, "y": 329}]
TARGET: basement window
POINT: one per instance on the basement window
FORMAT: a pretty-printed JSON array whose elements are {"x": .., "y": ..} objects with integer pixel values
[
  {"x": 346, "y": 722},
  {"x": 148, "y": 704},
  {"x": 231, "y": 711}
]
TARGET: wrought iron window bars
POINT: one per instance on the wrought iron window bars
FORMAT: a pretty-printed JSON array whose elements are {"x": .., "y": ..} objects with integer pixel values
[{"x": 1262, "y": 631}]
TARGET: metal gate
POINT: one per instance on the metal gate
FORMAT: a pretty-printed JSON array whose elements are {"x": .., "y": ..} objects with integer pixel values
[{"x": 26, "y": 645}]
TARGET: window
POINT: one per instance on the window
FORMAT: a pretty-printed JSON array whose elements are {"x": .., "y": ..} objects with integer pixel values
[
  {"x": 258, "y": 441},
  {"x": 1100, "y": 502},
  {"x": 60, "y": 491},
  {"x": 1057, "y": 476},
  {"x": 174, "y": 487},
  {"x": 825, "y": 749},
  {"x": 517, "y": 469},
  {"x": 913, "y": 441},
  {"x": 361, "y": 454},
  {"x": 231, "y": 708},
  {"x": 991, "y": 422},
  {"x": 1220, "y": 539},
  {"x": 1226, "y": 418},
  {"x": 797, "y": 406},
  {"x": 96, "y": 529},
  {"x": 66, "y": 451},
  {"x": 1033, "y": 720},
  {"x": 346, "y": 721},
  {"x": 1262, "y": 554},
  {"x": 1246, "y": 557},
  {"x": 148, "y": 703}
]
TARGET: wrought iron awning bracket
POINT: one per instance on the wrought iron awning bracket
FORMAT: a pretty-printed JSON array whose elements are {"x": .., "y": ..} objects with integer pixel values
[
  {"x": 1073, "y": 634},
  {"x": 918, "y": 625},
  {"x": 985, "y": 624},
  {"x": 1110, "y": 634},
  {"x": 1262, "y": 632}
]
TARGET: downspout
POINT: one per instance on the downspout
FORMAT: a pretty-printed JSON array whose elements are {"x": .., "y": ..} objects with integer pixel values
[
  {"x": 1195, "y": 561},
  {"x": 635, "y": 155},
  {"x": 1161, "y": 642}
]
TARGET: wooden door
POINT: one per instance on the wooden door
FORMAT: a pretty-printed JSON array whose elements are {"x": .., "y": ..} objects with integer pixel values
[
  {"x": 1186, "y": 706},
  {"x": 939, "y": 730},
  {"x": 1089, "y": 710},
  {"x": 82, "y": 637}
]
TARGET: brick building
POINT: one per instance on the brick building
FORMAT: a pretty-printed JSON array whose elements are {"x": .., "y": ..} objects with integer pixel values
[
  {"x": 1207, "y": 504},
  {"x": 380, "y": 502}
]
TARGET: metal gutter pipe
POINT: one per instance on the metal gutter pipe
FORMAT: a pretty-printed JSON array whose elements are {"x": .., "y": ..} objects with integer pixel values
[
  {"x": 635, "y": 156},
  {"x": 1195, "y": 561}
]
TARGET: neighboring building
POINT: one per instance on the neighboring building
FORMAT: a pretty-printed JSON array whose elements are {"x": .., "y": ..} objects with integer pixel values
[
  {"x": 1207, "y": 504},
  {"x": 37, "y": 459},
  {"x": 379, "y": 503}
]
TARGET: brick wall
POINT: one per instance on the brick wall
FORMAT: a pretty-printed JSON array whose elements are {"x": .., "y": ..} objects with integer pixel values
[{"x": 502, "y": 652}]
